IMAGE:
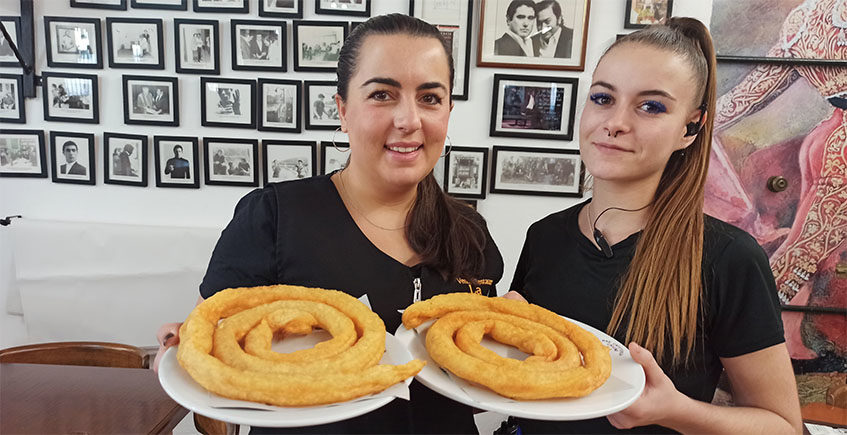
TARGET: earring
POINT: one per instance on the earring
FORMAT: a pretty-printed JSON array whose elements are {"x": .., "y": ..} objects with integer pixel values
[
  {"x": 449, "y": 147},
  {"x": 336, "y": 146}
]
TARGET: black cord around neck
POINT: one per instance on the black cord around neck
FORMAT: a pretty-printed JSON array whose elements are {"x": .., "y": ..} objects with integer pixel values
[{"x": 598, "y": 236}]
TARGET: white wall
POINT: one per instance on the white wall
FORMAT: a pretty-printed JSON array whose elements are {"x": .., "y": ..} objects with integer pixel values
[{"x": 508, "y": 215}]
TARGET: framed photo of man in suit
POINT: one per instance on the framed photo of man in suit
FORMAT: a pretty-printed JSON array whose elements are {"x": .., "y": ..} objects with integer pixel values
[
  {"x": 176, "y": 160},
  {"x": 258, "y": 45},
  {"x": 72, "y": 157},
  {"x": 151, "y": 100}
]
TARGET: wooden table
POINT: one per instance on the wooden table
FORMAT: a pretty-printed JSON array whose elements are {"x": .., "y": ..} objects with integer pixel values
[{"x": 43, "y": 398}]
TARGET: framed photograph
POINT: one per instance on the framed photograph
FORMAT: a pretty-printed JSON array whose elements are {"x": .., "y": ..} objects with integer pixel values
[
  {"x": 227, "y": 103},
  {"x": 358, "y": 8},
  {"x": 319, "y": 105},
  {"x": 73, "y": 42},
  {"x": 317, "y": 44},
  {"x": 13, "y": 26},
  {"x": 334, "y": 157},
  {"x": 288, "y": 160},
  {"x": 70, "y": 97},
  {"x": 280, "y": 102},
  {"x": 642, "y": 13},
  {"x": 135, "y": 43},
  {"x": 231, "y": 162},
  {"x": 151, "y": 100},
  {"x": 226, "y": 6},
  {"x": 176, "y": 161},
  {"x": 454, "y": 19},
  {"x": 12, "y": 99},
  {"x": 281, "y": 8},
  {"x": 22, "y": 153},
  {"x": 197, "y": 46},
  {"x": 537, "y": 171},
  {"x": 258, "y": 45},
  {"x": 541, "y": 107},
  {"x": 465, "y": 172},
  {"x": 119, "y": 5},
  {"x": 73, "y": 157},
  {"x": 547, "y": 34},
  {"x": 125, "y": 159},
  {"x": 175, "y": 5}
]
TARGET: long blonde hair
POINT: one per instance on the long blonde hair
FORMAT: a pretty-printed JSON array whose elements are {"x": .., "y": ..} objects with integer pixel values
[{"x": 660, "y": 295}]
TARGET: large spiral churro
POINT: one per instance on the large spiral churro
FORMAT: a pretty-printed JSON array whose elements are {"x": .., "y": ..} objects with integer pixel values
[
  {"x": 339, "y": 369},
  {"x": 565, "y": 360}
]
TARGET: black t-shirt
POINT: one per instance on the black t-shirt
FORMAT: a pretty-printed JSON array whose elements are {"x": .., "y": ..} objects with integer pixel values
[
  {"x": 561, "y": 270},
  {"x": 300, "y": 233}
]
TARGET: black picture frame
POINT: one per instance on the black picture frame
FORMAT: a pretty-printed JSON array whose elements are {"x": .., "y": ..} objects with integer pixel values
[
  {"x": 281, "y": 12},
  {"x": 16, "y": 114},
  {"x": 63, "y": 51},
  {"x": 152, "y": 4},
  {"x": 9, "y": 59},
  {"x": 300, "y": 54},
  {"x": 54, "y": 98},
  {"x": 242, "y": 8},
  {"x": 89, "y": 5},
  {"x": 141, "y": 109},
  {"x": 461, "y": 52},
  {"x": 466, "y": 165},
  {"x": 184, "y": 65},
  {"x": 331, "y": 156},
  {"x": 122, "y": 171},
  {"x": 230, "y": 109},
  {"x": 239, "y": 46},
  {"x": 339, "y": 11},
  {"x": 225, "y": 172},
  {"x": 11, "y": 139},
  {"x": 310, "y": 98},
  {"x": 270, "y": 121},
  {"x": 114, "y": 24},
  {"x": 278, "y": 156},
  {"x": 72, "y": 176},
  {"x": 629, "y": 24},
  {"x": 170, "y": 143},
  {"x": 519, "y": 180},
  {"x": 530, "y": 122}
]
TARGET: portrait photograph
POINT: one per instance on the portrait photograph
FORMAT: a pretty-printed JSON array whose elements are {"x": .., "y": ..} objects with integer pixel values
[
  {"x": 227, "y": 103},
  {"x": 13, "y": 26},
  {"x": 176, "y": 161},
  {"x": 70, "y": 97},
  {"x": 533, "y": 34},
  {"x": 22, "y": 154},
  {"x": 231, "y": 162},
  {"x": 454, "y": 19},
  {"x": 642, "y": 13},
  {"x": 281, "y": 8},
  {"x": 135, "y": 43},
  {"x": 151, "y": 100},
  {"x": 174, "y": 5},
  {"x": 196, "y": 46},
  {"x": 125, "y": 159},
  {"x": 334, "y": 157},
  {"x": 280, "y": 105},
  {"x": 258, "y": 45},
  {"x": 12, "y": 99},
  {"x": 225, "y": 6},
  {"x": 536, "y": 171},
  {"x": 73, "y": 42},
  {"x": 319, "y": 105},
  {"x": 317, "y": 44},
  {"x": 288, "y": 160},
  {"x": 465, "y": 172},
  {"x": 119, "y": 5},
  {"x": 72, "y": 157},
  {"x": 359, "y": 8},
  {"x": 533, "y": 107}
]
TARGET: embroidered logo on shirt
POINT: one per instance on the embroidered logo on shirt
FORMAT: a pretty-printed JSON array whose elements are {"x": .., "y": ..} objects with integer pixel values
[{"x": 477, "y": 290}]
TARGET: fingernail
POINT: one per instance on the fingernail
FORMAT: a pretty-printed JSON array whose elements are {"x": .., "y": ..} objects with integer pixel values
[{"x": 167, "y": 337}]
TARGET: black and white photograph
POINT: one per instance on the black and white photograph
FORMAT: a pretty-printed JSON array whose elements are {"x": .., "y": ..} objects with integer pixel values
[
  {"x": 454, "y": 19},
  {"x": 281, "y": 8},
  {"x": 72, "y": 157},
  {"x": 174, "y": 5},
  {"x": 135, "y": 43},
  {"x": 231, "y": 162},
  {"x": 70, "y": 97},
  {"x": 536, "y": 171},
  {"x": 358, "y": 8},
  {"x": 540, "y": 107},
  {"x": 465, "y": 172},
  {"x": 533, "y": 34},
  {"x": 288, "y": 160},
  {"x": 22, "y": 154},
  {"x": 319, "y": 105},
  {"x": 176, "y": 161},
  {"x": 317, "y": 44},
  {"x": 227, "y": 103},
  {"x": 642, "y": 13},
  {"x": 334, "y": 156},
  {"x": 73, "y": 42},
  {"x": 197, "y": 46},
  {"x": 125, "y": 159},
  {"x": 258, "y": 45},
  {"x": 12, "y": 99},
  {"x": 225, "y": 6},
  {"x": 118, "y": 5},
  {"x": 13, "y": 27},
  {"x": 280, "y": 105},
  {"x": 151, "y": 100}
]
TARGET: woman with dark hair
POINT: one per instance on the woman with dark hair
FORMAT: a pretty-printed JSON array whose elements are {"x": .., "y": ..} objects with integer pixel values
[
  {"x": 641, "y": 260},
  {"x": 381, "y": 226}
]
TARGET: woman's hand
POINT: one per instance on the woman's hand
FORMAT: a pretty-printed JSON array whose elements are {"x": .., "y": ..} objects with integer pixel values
[
  {"x": 166, "y": 336},
  {"x": 511, "y": 294}
]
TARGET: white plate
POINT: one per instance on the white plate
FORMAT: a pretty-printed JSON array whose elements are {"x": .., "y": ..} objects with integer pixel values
[
  {"x": 178, "y": 384},
  {"x": 622, "y": 388}
]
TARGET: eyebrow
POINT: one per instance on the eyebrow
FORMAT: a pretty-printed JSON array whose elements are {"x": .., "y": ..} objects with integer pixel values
[
  {"x": 648, "y": 92},
  {"x": 394, "y": 83}
]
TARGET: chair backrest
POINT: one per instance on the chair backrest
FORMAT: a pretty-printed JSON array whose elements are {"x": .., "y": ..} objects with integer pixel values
[{"x": 77, "y": 353}]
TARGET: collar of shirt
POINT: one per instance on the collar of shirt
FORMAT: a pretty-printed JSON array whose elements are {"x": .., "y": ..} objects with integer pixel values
[
  {"x": 526, "y": 44},
  {"x": 549, "y": 49}
]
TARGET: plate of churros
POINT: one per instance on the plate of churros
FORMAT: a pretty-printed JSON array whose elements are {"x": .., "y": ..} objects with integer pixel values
[{"x": 518, "y": 359}]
